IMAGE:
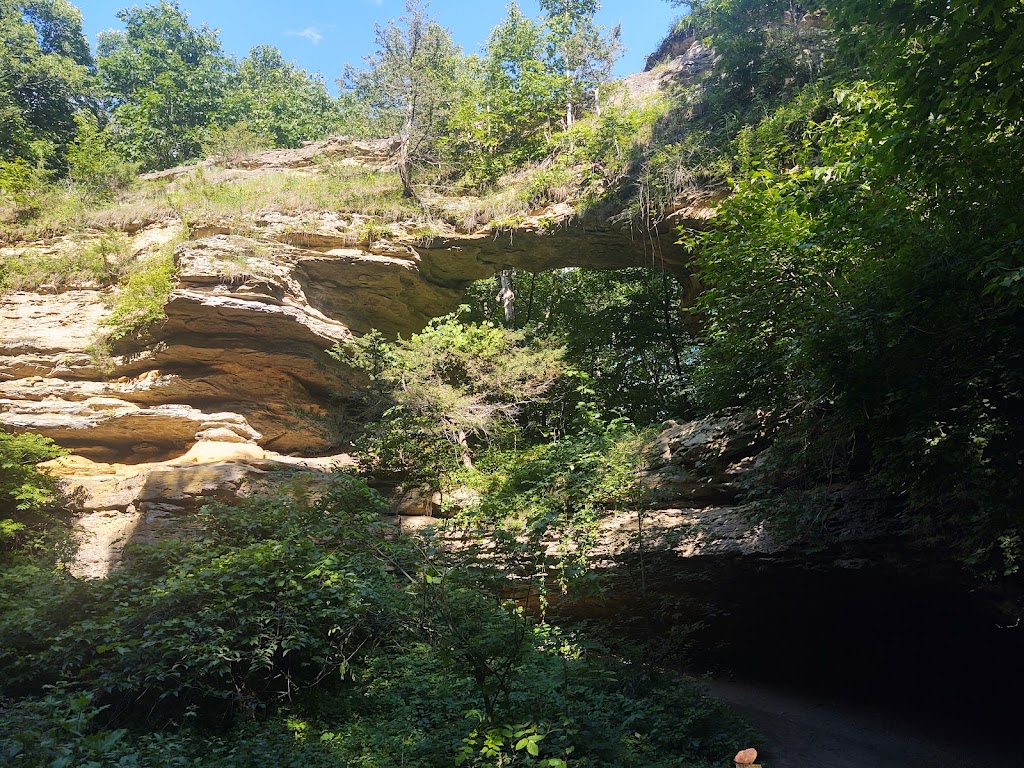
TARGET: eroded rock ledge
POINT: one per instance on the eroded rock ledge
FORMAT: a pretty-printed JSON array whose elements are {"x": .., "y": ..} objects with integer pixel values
[
  {"x": 144, "y": 502},
  {"x": 248, "y": 325},
  {"x": 236, "y": 379}
]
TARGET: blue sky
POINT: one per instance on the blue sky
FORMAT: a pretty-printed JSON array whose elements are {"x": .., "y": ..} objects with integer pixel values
[{"x": 323, "y": 36}]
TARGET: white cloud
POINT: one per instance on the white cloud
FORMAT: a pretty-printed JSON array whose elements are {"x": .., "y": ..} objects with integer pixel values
[{"x": 309, "y": 33}]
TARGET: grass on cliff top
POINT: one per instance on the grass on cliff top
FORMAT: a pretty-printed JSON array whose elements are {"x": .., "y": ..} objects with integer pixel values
[
  {"x": 201, "y": 198},
  {"x": 98, "y": 263},
  {"x": 61, "y": 209}
]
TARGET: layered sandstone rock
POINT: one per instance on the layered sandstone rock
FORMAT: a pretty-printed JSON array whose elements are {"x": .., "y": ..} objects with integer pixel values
[
  {"x": 144, "y": 502},
  {"x": 248, "y": 326},
  {"x": 238, "y": 371}
]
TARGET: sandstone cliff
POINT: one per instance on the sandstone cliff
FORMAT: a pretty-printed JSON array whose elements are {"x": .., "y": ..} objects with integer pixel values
[{"x": 277, "y": 257}]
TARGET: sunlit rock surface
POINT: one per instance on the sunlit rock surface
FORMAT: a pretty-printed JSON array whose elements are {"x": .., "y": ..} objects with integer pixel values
[
  {"x": 235, "y": 381},
  {"x": 144, "y": 502}
]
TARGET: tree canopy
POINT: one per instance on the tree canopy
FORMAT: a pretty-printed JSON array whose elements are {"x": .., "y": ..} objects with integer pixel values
[
  {"x": 863, "y": 276},
  {"x": 45, "y": 78},
  {"x": 165, "y": 80},
  {"x": 279, "y": 101},
  {"x": 408, "y": 83},
  {"x": 447, "y": 386}
]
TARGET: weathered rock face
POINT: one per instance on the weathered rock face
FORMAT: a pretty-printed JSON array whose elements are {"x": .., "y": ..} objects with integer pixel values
[
  {"x": 695, "y": 477},
  {"x": 705, "y": 461},
  {"x": 47, "y": 334},
  {"x": 243, "y": 346},
  {"x": 144, "y": 502},
  {"x": 370, "y": 153},
  {"x": 106, "y": 427},
  {"x": 238, "y": 369}
]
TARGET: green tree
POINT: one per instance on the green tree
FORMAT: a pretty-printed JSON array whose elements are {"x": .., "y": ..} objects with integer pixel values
[
  {"x": 30, "y": 502},
  {"x": 94, "y": 165},
  {"x": 534, "y": 79},
  {"x": 521, "y": 89},
  {"x": 165, "y": 80},
  {"x": 279, "y": 101},
  {"x": 510, "y": 104},
  {"x": 435, "y": 393},
  {"x": 866, "y": 281},
  {"x": 409, "y": 84},
  {"x": 580, "y": 51},
  {"x": 45, "y": 78},
  {"x": 766, "y": 46}
]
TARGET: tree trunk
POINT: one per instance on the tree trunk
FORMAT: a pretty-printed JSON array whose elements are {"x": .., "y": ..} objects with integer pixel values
[
  {"x": 549, "y": 313},
  {"x": 507, "y": 297},
  {"x": 529, "y": 302},
  {"x": 467, "y": 454},
  {"x": 669, "y": 330},
  {"x": 403, "y": 167},
  {"x": 404, "y": 160}
]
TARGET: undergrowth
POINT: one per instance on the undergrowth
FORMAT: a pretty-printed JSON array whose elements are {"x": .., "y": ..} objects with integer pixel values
[
  {"x": 96, "y": 263},
  {"x": 301, "y": 631}
]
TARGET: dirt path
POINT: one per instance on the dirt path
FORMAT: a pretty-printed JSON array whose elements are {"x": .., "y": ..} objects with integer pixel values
[{"x": 801, "y": 732}]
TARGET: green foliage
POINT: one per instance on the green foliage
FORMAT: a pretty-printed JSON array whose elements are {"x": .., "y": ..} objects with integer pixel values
[
  {"x": 94, "y": 165},
  {"x": 280, "y": 102},
  {"x": 272, "y": 597},
  {"x": 862, "y": 281},
  {"x": 765, "y": 46},
  {"x": 534, "y": 79},
  {"x": 99, "y": 262},
  {"x": 766, "y": 52},
  {"x": 44, "y": 79},
  {"x": 23, "y": 189},
  {"x": 31, "y": 515},
  {"x": 620, "y": 330},
  {"x": 167, "y": 80},
  {"x": 953, "y": 65},
  {"x": 550, "y": 498},
  {"x": 581, "y": 52},
  {"x": 511, "y": 106},
  {"x": 342, "y": 643},
  {"x": 430, "y": 396},
  {"x": 370, "y": 232},
  {"x": 140, "y": 299},
  {"x": 608, "y": 145},
  {"x": 686, "y": 167},
  {"x": 230, "y": 144}
]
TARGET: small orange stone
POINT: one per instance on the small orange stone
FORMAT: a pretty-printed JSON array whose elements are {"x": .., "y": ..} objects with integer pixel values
[{"x": 746, "y": 757}]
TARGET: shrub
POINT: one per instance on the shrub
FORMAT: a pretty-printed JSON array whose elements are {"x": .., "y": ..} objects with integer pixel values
[
  {"x": 432, "y": 396},
  {"x": 228, "y": 145},
  {"x": 274, "y": 596},
  {"x": 94, "y": 166},
  {"x": 140, "y": 300},
  {"x": 343, "y": 642},
  {"x": 31, "y": 508},
  {"x": 23, "y": 188},
  {"x": 95, "y": 263}
]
